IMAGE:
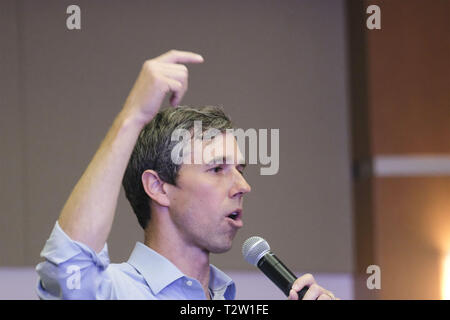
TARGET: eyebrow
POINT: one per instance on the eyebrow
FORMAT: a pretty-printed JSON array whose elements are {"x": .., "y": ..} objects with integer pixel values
[{"x": 223, "y": 160}]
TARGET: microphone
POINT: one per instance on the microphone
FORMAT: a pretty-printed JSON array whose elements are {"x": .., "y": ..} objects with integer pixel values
[{"x": 256, "y": 251}]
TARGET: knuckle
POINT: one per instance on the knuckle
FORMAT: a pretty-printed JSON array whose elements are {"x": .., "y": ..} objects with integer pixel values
[
  {"x": 159, "y": 81},
  {"x": 310, "y": 277},
  {"x": 149, "y": 66}
]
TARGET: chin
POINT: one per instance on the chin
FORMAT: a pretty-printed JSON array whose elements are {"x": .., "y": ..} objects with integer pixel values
[{"x": 222, "y": 248}]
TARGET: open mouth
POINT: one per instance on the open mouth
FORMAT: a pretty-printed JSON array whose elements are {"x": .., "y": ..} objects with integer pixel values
[
  {"x": 233, "y": 215},
  {"x": 236, "y": 216}
]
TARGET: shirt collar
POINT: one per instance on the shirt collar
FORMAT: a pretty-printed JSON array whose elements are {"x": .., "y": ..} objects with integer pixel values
[
  {"x": 159, "y": 272},
  {"x": 219, "y": 282}
]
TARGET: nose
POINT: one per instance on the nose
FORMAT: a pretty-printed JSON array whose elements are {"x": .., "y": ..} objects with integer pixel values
[{"x": 240, "y": 186}]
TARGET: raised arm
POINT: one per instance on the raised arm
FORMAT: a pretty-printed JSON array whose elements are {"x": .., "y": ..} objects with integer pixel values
[{"x": 88, "y": 214}]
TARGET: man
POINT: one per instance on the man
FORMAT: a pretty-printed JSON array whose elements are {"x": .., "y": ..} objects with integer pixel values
[{"x": 187, "y": 211}]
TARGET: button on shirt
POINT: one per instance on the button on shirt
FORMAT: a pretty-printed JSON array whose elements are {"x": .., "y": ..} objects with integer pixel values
[{"x": 72, "y": 270}]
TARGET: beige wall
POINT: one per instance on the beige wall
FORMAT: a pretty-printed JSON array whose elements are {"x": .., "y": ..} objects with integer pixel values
[
  {"x": 12, "y": 137},
  {"x": 271, "y": 64}
]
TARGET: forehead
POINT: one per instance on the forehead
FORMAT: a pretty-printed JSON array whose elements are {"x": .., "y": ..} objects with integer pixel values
[{"x": 222, "y": 148}]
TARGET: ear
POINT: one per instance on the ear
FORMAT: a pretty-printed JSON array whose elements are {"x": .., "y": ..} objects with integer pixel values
[{"x": 154, "y": 187}]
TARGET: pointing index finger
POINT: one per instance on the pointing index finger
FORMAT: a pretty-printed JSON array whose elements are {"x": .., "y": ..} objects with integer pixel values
[{"x": 176, "y": 56}]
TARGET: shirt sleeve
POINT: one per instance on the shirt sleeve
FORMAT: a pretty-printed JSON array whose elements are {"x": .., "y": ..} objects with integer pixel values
[{"x": 72, "y": 270}]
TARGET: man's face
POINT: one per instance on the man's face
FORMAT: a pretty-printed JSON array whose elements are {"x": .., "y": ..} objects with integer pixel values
[{"x": 206, "y": 195}]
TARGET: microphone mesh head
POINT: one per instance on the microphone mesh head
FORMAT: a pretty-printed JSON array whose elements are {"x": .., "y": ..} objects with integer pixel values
[{"x": 254, "y": 248}]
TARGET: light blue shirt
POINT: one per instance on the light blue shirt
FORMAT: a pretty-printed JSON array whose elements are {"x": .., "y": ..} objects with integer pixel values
[{"x": 72, "y": 270}]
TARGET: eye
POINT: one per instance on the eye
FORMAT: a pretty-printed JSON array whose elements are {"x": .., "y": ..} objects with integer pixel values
[{"x": 217, "y": 169}]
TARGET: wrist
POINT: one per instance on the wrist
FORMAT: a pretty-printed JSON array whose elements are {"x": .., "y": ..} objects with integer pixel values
[{"x": 129, "y": 119}]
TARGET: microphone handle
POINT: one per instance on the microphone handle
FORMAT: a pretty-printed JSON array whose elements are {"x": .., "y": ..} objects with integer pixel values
[{"x": 276, "y": 271}]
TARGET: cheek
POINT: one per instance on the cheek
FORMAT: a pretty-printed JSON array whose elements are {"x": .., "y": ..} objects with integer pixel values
[{"x": 206, "y": 195}]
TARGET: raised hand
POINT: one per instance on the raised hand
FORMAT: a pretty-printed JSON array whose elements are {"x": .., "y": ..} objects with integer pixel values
[{"x": 159, "y": 76}]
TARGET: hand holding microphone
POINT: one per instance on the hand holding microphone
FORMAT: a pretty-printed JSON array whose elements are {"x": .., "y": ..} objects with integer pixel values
[{"x": 256, "y": 251}]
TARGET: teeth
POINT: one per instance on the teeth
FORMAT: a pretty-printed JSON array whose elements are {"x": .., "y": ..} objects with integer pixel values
[{"x": 233, "y": 215}]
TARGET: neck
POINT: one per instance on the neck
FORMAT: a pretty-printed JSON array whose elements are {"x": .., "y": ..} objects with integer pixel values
[{"x": 161, "y": 236}]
